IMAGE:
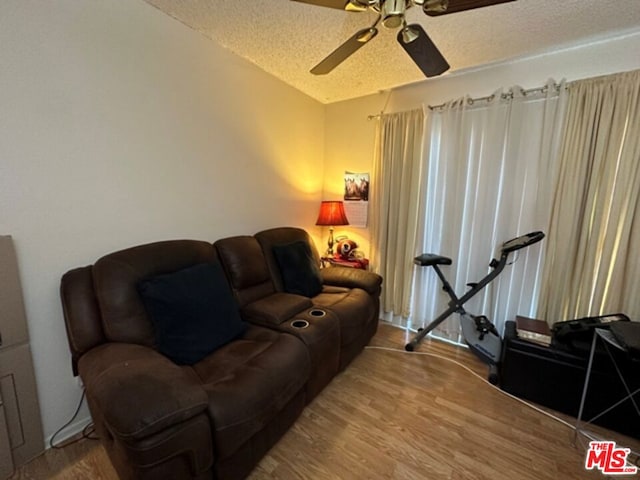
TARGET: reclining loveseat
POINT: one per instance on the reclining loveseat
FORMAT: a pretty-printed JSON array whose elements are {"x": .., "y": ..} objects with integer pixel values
[{"x": 197, "y": 357}]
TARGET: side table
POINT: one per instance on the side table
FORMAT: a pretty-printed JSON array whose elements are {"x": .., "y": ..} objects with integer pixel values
[
  {"x": 359, "y": 263},
  {"x": 608, "y": 340}
]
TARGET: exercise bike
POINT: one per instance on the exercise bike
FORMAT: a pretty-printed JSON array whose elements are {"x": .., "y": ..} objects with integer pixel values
[{"x": 478, "y": 331}]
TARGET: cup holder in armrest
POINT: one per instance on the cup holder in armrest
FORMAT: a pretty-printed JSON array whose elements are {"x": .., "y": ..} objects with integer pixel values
[
  {"x": 317, "y": 313},
  {"x": 299, "y": 323}
]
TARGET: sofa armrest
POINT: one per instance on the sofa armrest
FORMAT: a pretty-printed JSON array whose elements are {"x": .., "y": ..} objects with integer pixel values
[
  {"x": 138, "y": 391},
  {"x": 352, "y": 278},
  {"x": 274, "y": 309}
]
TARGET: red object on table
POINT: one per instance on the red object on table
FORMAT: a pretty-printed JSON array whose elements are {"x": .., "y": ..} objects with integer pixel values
[{"x": 361, "y": 263}]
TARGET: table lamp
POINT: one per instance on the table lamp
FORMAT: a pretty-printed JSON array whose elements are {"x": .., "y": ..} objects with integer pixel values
[{"x": 331, "y": 214}]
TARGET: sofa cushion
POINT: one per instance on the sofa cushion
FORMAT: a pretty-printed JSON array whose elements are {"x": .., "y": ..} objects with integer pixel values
[
  {"x": 354, "y": 307},
  {"x": 300, "y": 273},
  {"x": 249, "y": 381},
  {"x": 139, "y": 391},
  {"x": 352, "y": 278},
  {"x": 244, "y": 263},
  {"x": 116, "y": 277},
  {"x": 282, "y": 236},
  {"x": 276, "y": 308},
  {"x": 192, "y": 310}
]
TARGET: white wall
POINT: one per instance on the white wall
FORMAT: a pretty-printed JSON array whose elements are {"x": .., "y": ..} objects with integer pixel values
[
  {"x": 350, "y": 135},
  {"x": 118, "y": 126}
]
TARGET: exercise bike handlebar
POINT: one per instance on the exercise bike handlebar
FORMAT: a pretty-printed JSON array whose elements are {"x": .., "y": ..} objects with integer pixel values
[{"x": 521, "y": 242}]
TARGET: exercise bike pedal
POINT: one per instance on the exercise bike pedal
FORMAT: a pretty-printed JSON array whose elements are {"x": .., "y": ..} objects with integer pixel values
[
  {"x": 482, "y": 337},
  {"x": 484, "y": 325}
]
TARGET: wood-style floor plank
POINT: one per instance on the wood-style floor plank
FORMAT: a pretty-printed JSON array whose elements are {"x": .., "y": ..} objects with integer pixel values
[{"x": 396, "y": 415}]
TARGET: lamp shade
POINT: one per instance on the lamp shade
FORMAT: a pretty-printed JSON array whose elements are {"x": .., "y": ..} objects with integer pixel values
[{"x": 332, "y": 214}]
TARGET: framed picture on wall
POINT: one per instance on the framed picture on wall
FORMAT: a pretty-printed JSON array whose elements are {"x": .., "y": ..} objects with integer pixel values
[{"x": 356, "y": 198}]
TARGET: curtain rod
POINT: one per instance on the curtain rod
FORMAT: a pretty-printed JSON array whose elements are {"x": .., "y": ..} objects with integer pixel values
[
  {"x": 504, "y": 96},
  {"x": 371, "y": 117}
]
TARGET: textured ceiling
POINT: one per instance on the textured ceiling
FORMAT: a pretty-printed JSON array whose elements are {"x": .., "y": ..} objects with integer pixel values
[{"x": 287, "y": 38}]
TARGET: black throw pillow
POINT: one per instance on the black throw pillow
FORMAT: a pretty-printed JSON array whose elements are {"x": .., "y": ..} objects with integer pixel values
[
  {"x": 300, "y": 273},
  {"x": 192, "y": 310}
]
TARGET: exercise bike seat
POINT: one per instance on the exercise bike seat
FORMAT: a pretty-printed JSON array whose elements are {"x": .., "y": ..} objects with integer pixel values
[{"x": 430, "y": 259}]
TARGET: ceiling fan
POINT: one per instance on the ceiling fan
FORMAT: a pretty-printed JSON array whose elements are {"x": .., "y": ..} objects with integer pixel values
[{"x": 391, "y": 13}]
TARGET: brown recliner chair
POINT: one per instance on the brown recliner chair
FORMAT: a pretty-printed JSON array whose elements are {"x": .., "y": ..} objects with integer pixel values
[
  {"x": 295, "y": 314},
  {"x": 213, "y": 419},
  {"x": 352, "y": 295}
]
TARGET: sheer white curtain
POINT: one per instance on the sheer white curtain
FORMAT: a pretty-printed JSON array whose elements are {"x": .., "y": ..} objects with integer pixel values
[
  {"x": 490, "y": 171},
  {"x": 396, "y": 181},
  {"x": 593, "y": 261}
]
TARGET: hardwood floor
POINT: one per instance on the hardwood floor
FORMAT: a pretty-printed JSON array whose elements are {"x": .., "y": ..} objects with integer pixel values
[{"x": 395, "y": 415}]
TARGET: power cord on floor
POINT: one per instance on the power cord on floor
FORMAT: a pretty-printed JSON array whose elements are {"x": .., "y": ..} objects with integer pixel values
[
  {"x": 587, "y": 434},
  {"x": 87, "y": 431},
  {"x": 537, "y": 409}
]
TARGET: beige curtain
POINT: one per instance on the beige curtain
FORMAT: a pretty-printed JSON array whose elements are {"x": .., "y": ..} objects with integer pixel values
[
  {"x": 592, "y": 265},
  {"x": 394, "y": 206},
  {"x": 490, "y": 177}
]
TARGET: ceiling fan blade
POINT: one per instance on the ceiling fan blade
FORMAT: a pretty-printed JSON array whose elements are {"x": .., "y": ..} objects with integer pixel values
[
  {"x": 339, "y": 4},
  {"x": 435, "y": 8},
  {"x": 422, "y": 50},
  {"x": 344, "y": 51}
]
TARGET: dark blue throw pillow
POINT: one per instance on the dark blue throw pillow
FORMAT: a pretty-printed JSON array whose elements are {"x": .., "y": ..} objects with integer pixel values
[
  {"x": 192, "y": 310},
  {"x": 300, "y": 273}
]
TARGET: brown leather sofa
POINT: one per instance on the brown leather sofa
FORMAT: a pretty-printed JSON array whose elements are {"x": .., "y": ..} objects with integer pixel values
[{"x": 217, "y": 417}]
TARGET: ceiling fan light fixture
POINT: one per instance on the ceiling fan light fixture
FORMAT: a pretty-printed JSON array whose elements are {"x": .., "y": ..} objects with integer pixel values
[
  {"x": 392, "y": 13},
  {"x": 409, "y": 35}
]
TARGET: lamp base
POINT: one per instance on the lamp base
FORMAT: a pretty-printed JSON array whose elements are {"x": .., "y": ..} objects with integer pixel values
[{"x": 330, "y": 243}]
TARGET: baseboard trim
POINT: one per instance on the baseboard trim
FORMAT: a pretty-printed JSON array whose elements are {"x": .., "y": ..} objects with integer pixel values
[{"x": 68, "y": 433}]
